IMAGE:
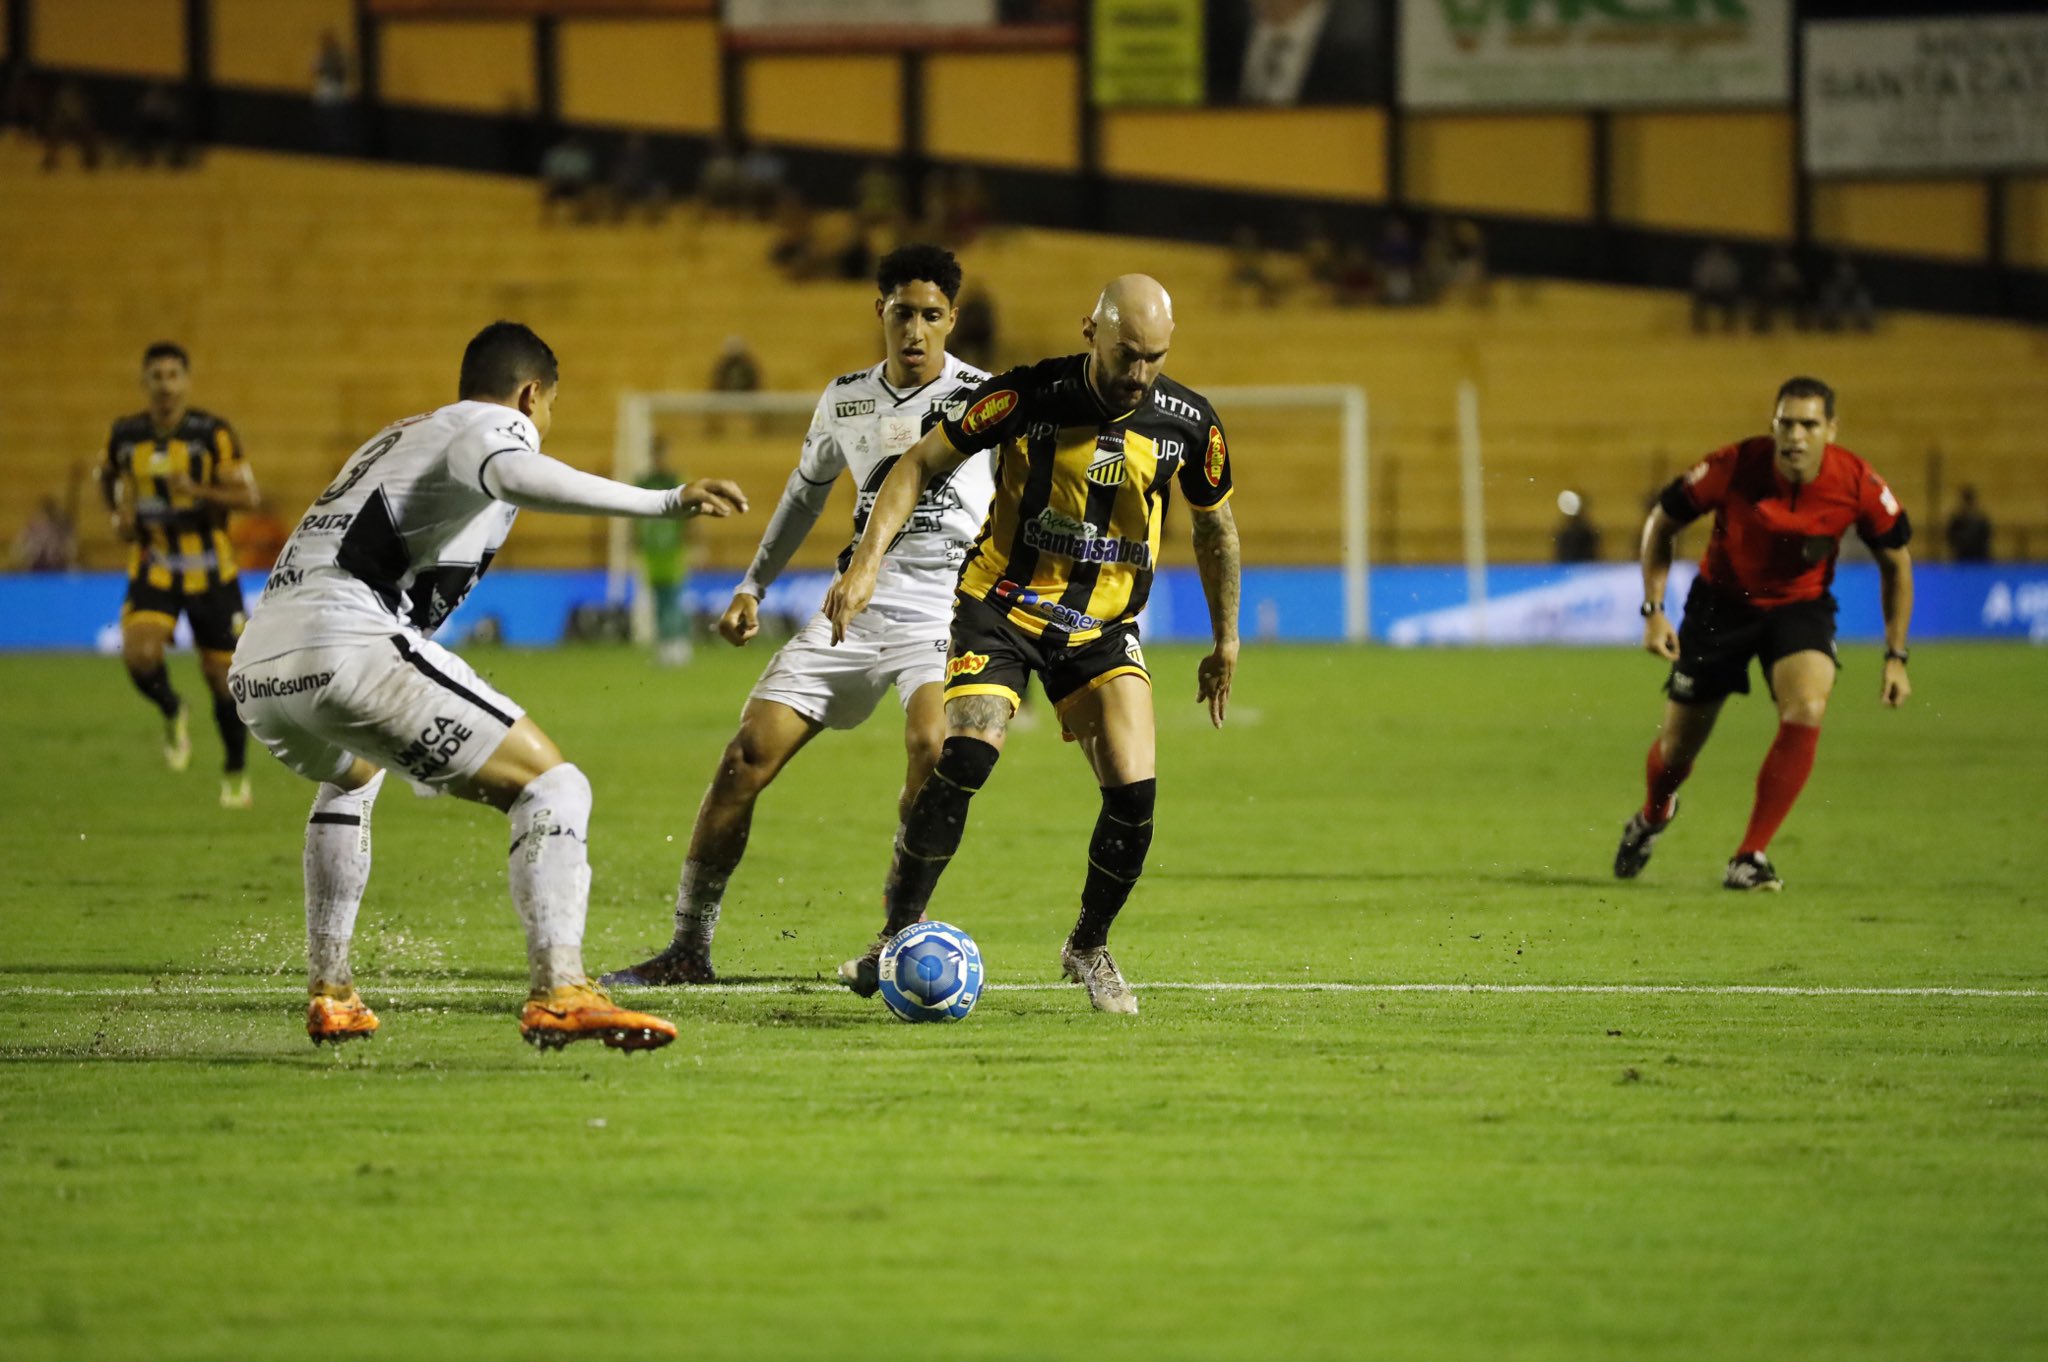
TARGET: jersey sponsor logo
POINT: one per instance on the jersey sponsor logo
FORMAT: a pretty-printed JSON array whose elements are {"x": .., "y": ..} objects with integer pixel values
[
  {"x": 863, "y": 407},
  {"x": 1168, "y": 452},
  {"x": 1052, "y": 532},
  {"x": 513, "y": 430},
  {"x": 1063, "y": 615},
  {"x": 989, "y": 411},
  {"x": 1212, "y": 461},
  {"x": 428, "y": 755},
  {"x": 1696, "y": 472},
  {"x": 1108, "y": 469},
  {"x": 1174, "y": 406},
  {"x": 967, "y": 664},
  {"x": 1887, "y": 500},
  {"x": 326, "y": 524},
  {"x": 853, "y": 377},
  {"x": 275, "y": 687}
]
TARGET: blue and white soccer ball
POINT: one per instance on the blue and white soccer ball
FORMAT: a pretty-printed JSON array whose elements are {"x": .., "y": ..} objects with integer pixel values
[{"x": 931, "y": 972}]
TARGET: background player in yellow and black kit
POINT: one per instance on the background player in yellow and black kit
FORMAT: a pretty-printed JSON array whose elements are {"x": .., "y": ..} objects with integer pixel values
[
  {"x": 171, "y": 476},
  {"x": 1090, "y": 447}
]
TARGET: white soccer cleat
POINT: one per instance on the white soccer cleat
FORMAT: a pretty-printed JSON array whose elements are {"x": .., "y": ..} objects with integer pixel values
[
  {"x": 235, "y": 792},
  {"x": 178, "y": 740},
  {"x": 1096, "y": 971}
]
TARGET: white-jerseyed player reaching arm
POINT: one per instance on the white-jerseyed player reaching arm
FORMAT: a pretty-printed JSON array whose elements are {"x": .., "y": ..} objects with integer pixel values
[
  {"x": 337, "y": 674},
  {"x": 864, "y": 423}
]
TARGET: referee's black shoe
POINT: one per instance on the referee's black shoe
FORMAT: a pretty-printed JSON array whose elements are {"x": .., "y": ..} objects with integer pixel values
[
  {"x": 1752, "y": 874},
  {"x": 1638, "y": 839}
]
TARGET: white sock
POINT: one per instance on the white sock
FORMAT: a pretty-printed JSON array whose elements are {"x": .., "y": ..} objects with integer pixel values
[
  {"x": 698, "y": 898},
  {"x": 337, "y": 864},
  {"x": 549, "y": 871}
]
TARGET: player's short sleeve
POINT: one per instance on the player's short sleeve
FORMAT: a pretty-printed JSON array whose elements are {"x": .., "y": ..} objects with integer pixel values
[
  {"x": 1205, "y": 477},
  {"x": 470, "y": 453},
  {"x": 989, "y": 413},
  {"x": 1880, "y": 521},
  {"x": 227, "y": 450},
  {"x": 1701, "y": 488},
  {"x": 822, "y": 459}
]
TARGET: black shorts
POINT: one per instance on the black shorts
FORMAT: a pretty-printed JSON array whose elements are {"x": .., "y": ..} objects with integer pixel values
[
  {"x": 991, "y": 656},
  {"x": 1721, "y": 633},
  {"x": 216, "y": 612}
]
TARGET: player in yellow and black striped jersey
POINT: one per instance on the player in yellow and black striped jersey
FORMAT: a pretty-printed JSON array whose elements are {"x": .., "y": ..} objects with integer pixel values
[
  {"x": 171, "y": 476},
  {"x": 1090, "y": 447}
]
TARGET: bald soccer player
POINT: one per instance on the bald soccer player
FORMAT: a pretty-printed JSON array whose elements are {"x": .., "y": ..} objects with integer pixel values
[{"x": 1088, "y": 448}]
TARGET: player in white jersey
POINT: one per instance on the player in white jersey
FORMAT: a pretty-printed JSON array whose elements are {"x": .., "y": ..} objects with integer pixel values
[
  {"x": 336, "y": 674},
  {"x": 864, "y": 421}
]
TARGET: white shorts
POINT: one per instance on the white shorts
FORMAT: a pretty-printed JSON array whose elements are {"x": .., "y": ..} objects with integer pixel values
[
  {"x": 840, "y": 686},
  {"x": 401, "y": 702}
]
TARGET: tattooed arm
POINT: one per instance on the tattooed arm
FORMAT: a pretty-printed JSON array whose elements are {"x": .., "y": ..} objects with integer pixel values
[{"x": 1216, "y": 557}]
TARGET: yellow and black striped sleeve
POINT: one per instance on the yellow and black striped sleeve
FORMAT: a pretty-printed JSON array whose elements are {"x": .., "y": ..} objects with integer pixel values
[{"x": 1205, "y": 478}]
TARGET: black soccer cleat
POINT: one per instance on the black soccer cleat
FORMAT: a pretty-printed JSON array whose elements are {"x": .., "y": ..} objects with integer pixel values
[
  {"x": 673, "y": 965},
  {"x": 1638, "y": 839},
  {"x": 1752, "y": 874}
]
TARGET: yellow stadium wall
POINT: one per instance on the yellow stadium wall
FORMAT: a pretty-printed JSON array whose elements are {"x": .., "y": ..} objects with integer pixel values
[
  {"x": 1727, "y": 173},
  {"x": 1536, "y": 165},
  {"x": 853, "y": 103},
  {"x": 1330, "y": 153},
  {"x": 481, "y": 65},
  {"x": 2026, "y": 222},
  {"x": 1019, "y": 109},
  {"x": 645, "y": 73},
  {"x": 1942, "y": 218},
  {"x": 270, "y": 44},
  {"x": 131, "y": 37}
]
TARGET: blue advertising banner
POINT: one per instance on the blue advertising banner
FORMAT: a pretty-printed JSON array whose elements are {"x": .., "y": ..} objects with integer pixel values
[{"x": 1411, "y": 606}]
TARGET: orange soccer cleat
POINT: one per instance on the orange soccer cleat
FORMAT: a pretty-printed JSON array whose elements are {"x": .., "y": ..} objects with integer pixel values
[
  {"x": 331, "y": 1020},
  {"x": 573, "y": 1012}
]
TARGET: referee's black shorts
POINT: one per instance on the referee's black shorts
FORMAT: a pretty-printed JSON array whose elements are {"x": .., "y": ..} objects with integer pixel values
[{"x": 1722, "y": 632}]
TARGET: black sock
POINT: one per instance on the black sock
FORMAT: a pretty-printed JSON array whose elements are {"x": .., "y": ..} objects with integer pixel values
[
  {"x": 157, "y": 686},
  {"x": 931, "y": 834},
  {"x": 234, "y": 734},
  {"x": 1116, "y": 857}
]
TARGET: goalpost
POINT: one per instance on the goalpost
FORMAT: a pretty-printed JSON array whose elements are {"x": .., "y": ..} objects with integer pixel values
[{"x": 755, "y": 437}]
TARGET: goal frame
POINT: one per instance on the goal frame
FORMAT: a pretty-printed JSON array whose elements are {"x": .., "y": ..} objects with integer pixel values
[{"x": 637, "y": 409}]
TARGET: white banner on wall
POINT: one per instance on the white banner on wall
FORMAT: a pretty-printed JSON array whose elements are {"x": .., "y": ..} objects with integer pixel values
[
  {"x": 870, "y": 14},
  {"x": 1937, "y": 95},
  {"x": 1594, "y": 54}
]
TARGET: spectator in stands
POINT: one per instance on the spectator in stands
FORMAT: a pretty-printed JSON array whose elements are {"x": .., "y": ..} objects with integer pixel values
[
  {"x": 1397, "y": 258},
  {"x": 634, "y": 184},
  {"x": 794, "y": 247},
  {"x": 1459, "y": 270},
  {"x": 1319, "y": 256},
  {"x": 736, "y": 370},
  {"x": 878, "y": 197},
  {"x": 48, "y": 542},
  {"x": 719, "y": 187},
  {"x": 1577, "y": 539},
  {"x": 1782, "y": 292},
  {"x": 1969, "y": 530},
  {"x": 331, "y": 92},
  {"x": 974, "y": 331},
  {"x": 1357, "y": 282},
  {"x": 159, "y": 131},
  {"x": 1716, "y": 288},
  {"x": 1845, "y": 299},
  {"x": 1246, "y": 275},
  {"x": 568, "y": 178},
  {"x": 762, "y": 176},
  {"x": 68, "y": 121}
]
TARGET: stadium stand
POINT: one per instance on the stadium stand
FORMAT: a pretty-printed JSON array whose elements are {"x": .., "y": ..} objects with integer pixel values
[{"x": 323, "y": 298}]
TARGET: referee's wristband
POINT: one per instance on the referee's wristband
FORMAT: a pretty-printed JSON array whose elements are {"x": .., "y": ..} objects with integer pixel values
[{"x": 1898, "y": 655}]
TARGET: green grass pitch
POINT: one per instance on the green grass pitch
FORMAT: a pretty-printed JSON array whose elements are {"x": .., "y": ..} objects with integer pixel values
[{"x": 1236, "y": 1173}]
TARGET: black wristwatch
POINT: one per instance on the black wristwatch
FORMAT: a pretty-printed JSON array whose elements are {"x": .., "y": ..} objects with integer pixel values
[
  {"x": 1898, "y": 655},
  {"x": 1652, "y": 608}
]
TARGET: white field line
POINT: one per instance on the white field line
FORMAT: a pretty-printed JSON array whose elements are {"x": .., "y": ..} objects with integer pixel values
[{"x": 172, "y": 987}]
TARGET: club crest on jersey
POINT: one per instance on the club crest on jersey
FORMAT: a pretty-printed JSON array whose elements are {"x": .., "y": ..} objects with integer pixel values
[
  {"x": 1108, "y": 468},
  {"x": 989, "y": 411},
  {"x": 1132, "y": 650},
  {"x": 1212, "y": 460},
  {"x": 967, "y": 664}
]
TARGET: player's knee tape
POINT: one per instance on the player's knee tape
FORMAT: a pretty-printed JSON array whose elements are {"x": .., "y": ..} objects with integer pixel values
[{"x": 1123, "y": 830}]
